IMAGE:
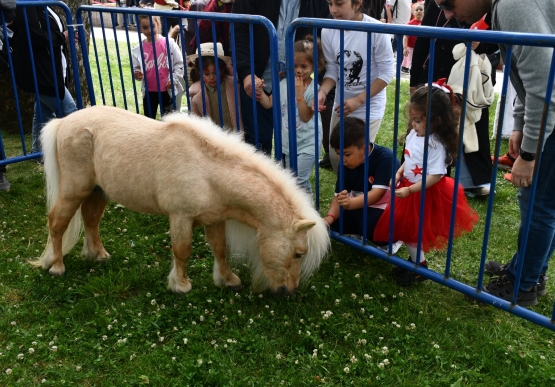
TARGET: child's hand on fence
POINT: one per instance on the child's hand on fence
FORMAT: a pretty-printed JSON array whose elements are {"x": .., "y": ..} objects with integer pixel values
[{"x": 139, "y": 75}]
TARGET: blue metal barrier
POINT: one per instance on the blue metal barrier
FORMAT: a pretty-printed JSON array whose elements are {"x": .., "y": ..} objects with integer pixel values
[
  {"x": 108, "y": 95},
  {"x": 434, "y": 33}
]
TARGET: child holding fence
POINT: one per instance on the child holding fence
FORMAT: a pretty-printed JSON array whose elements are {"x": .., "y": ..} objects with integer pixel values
[
  {"x": 157, "y": 78},
  {"x": 305, "y": 123},
  {"x": 442, "y": 152}
]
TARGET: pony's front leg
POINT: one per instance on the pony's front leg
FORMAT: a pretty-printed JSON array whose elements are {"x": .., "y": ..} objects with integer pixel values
[
  {"x": 223, "y": 276},
  {"x": 181, "y": 230}
]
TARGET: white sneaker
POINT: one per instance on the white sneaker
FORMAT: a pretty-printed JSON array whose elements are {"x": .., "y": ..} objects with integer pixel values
[{"x": 394, "y": 249}]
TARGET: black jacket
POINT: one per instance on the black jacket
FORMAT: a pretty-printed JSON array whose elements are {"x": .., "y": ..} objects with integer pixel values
[
  {"x": 270, "y": 10},
  {"x": 42, "y": 56},
  {"x": 444, "y": 60}
]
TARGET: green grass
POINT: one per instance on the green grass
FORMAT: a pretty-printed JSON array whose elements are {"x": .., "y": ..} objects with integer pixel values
[{"x": 115, "y": 323}]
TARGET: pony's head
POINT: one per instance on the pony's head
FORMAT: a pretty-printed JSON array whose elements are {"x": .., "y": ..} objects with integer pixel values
[{"x": 280, "y": 258}]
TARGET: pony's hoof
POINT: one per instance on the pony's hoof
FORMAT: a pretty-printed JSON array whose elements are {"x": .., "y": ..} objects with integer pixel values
[
  {"x": 181, "y": 288},
  {"x": 57, "y": 270}
]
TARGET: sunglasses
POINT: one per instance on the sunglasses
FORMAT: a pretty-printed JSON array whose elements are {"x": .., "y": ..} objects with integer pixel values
[{"x": 445, "y": 6}]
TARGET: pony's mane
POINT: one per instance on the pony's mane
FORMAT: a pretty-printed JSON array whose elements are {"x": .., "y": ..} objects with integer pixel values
[{"x": 232, "y": 145}]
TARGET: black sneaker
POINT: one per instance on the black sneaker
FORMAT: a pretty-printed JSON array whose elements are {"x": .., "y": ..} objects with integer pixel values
[
  {"x": 497, "y": 268},
  {"x": 4, "y": 183},
  {"x": 406, "y": 277},
  {"x": 502, "y": 287}
]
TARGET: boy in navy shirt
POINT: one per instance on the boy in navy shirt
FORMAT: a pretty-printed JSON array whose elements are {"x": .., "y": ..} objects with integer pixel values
[{"x": 351, "y": 198}]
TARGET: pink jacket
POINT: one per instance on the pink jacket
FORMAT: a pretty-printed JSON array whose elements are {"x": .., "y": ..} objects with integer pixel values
[{"x": 196, "y": 101}]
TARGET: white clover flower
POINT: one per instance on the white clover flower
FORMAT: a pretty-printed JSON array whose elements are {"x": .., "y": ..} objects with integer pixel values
[
  {"x": 542, "y": 357},
  {"x": 385, "y": 350},
  {"x": 9, "y": 371},
  {"x": 278, "y": 356},
  {"x": 161, "y": 339},
  {"x": 31, "y": 350},
  {"x": 346, "y": 370},
  {"x": 199, "y": 361},
  {"x": 148, "y": 294},
  {"x": 353, "y": 296},
  {"x": 381, "y": 365},
  {"x": 54, "y": 348},
  {"x": 448, "y": 318},
  {"x": 436, "y": 346},
  {"x": 153, "y": 302},
  {"x": 78, "y": 368},
  {"x": 371, "y": 316},
  {"x": 353, "y": 359},
  {"x": 109, "y": 327},
  {"x": 239, "y": 312},
  {"x": 153, "y": 345},
  {"x": 362, "y": 310},
  {"x": 201, "y": 318},
  {"x": 327, "y": 286},
  {"x": 385, "y": 361},
  {"x": 13, "y": 323},
  {"x": 193, "y": 322},
  {"x": 357, "y": 275},
  {"x": 367, "y": 356},
  {"x": 20, "y": 356},
  {"x": 386, "y": 309}
]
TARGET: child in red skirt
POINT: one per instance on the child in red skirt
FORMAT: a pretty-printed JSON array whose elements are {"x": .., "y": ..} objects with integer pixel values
[{"x": 442, "y": 152}]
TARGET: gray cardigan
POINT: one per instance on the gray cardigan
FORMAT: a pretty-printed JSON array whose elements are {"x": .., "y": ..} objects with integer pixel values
[{"x": 529, "y": 65}]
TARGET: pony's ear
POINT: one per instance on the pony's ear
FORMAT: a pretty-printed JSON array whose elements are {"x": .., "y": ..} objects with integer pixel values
[{"x": 304, "y": 225}]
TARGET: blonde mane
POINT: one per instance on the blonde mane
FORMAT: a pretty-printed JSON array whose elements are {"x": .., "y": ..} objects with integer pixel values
[{"x": 242, "y": 240}]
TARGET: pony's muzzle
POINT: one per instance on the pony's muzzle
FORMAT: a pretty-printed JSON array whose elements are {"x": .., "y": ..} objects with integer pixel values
[{"x": 283, "y": 291}]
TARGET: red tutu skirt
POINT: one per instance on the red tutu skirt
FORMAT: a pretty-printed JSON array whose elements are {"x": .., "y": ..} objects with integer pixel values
[{"x": 437, "y": 216}]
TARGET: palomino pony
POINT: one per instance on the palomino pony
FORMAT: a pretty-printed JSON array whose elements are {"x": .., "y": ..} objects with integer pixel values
[{"x": 191, "y": 171}]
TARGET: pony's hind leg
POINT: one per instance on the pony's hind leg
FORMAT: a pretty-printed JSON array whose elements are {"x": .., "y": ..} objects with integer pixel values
[
  {"x": 58, "y": 220},
  {"x": 92, "y": 211},
  {"x": 223, "y": 276},
  {"x": 181, "y": 231}
]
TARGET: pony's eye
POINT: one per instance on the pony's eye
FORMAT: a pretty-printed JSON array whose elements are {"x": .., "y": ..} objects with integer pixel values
[{"x": 298, "y": 255}]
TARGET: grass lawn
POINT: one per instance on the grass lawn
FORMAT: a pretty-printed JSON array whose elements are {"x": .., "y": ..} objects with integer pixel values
[{"x": 115, "y": 324}]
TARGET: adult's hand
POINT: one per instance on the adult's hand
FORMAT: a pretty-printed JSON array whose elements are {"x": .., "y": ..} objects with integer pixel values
[
  {"x": 522, "y": 172},
  {"x": 515, "y": 142}
]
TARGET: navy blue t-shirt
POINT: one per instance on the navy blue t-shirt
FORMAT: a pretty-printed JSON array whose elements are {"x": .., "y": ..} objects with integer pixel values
[{"x": 379, "y": 175}]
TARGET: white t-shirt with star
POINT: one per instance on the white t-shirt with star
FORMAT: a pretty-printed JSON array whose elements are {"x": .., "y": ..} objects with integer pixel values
[{"x": 414, "y": 157}]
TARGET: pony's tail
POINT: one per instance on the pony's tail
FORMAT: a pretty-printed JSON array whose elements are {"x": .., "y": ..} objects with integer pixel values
[{"x": 52, "y": 176}]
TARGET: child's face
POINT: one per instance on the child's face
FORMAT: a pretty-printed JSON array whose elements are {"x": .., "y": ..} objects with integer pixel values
[
  {"x": 418, "y": 11},
  {"x": 145, "y": 28},
  {"x": 353, "y": 156},
  {"x": 303, "y": 66},
  {"x": 418, "y": 120},
  {"x": 210, "y": 75},
  {"x": 343, "y": 9}
]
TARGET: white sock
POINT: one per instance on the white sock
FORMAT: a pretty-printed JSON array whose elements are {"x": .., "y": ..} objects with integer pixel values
[{"x": 412, "y": 252}]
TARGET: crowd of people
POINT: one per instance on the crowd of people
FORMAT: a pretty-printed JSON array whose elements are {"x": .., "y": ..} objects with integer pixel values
[{"x": 342, "y": 90}]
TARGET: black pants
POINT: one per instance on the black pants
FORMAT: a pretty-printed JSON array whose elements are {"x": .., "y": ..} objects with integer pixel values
[
  {"x": 152, "y": 97},
  {"x": 353, "y": 222},
  {"x": 479, "y": 162}
]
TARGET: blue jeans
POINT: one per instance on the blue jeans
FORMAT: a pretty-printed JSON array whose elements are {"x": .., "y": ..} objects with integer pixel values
[
  {"x": 305, "y": 163},
  {"x": 49, "y": 110},
  {"x": 265, "y": 123},
  {"x": 541, "y": 234},
  {"x": 465, "y": 178}
]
